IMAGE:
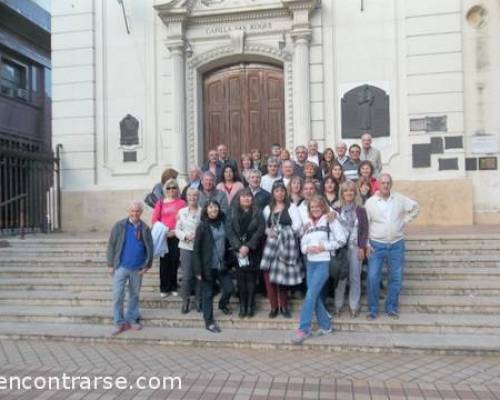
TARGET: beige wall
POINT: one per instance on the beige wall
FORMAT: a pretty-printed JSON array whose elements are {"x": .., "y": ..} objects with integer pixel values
[{"x": 442, "y": 203}]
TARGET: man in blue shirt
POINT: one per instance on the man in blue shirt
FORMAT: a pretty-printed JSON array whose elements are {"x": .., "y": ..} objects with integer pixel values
[{"x": 129, "y": 256}]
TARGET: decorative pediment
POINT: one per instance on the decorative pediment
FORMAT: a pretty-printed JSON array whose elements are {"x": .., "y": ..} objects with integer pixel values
[{"x": 180, "y": 10}]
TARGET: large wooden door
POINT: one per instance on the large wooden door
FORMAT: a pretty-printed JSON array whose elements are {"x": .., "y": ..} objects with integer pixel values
[{"x": 243, "y": 108}]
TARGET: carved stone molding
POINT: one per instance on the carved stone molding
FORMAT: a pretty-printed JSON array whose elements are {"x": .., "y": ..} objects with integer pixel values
[{"x": 194, "y": 68}]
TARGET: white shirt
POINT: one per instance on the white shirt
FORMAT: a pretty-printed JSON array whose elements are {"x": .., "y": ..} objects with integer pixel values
[
  {"x": 387, "y": 218},
  {"x": 267, "y": 182},
  {"x": 313, "y": 237},
  {"x": 314, "y": 159},
  {"x": 294, "y": 213}
]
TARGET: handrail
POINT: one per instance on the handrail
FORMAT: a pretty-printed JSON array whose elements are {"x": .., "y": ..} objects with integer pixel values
[
  {"x": 14, "y": 199},
  {"x": 19, "y": 197}
]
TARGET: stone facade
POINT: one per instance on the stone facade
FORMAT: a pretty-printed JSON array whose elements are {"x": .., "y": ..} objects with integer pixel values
[{"x": 435, "y": 60}]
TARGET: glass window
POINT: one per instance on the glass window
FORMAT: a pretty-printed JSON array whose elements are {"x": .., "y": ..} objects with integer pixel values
[{"x": 13, "y": 75}]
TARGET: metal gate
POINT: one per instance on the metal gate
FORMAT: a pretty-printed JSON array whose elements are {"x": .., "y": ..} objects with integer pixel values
[{"x": 30, "y": 195}]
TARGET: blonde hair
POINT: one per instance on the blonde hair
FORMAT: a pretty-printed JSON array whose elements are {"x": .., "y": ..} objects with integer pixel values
[
  {"x": 349, "y": 185},
  {"x": 172, "y": 182},
  {"x": 319, "y": 199}
]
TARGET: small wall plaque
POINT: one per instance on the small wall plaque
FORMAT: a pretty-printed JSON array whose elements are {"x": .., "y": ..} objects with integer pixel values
[
  {"x": 448, "y": 164},
  {"x": 471, "y": 164},
  {"x": 421, "y": 155},
  {"x": 453, "y": 142},
  {"x": 130, "y": 156},
  {"x": 429, "y": 124},
  {"x": 436, "y": 145},
  {"x": 488, "y": 163}
]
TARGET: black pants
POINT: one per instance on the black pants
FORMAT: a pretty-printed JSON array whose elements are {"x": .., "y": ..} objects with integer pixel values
[
  {"x": 247, "y": 282},
  {"x": 207, "y": 294},
  {"x": 168, "y": 266}
]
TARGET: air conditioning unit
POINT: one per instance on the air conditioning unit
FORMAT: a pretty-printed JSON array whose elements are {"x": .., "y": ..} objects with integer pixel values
[{"x": 22, "y": 94}]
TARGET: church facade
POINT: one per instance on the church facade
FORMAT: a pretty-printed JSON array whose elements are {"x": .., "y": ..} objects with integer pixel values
[{"x": 139, "y": 86}]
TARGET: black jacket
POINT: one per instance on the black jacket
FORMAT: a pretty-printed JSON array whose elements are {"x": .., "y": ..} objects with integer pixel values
[
  {"x": 251, "y": 238},
  {"x": 204, "y": 246}
]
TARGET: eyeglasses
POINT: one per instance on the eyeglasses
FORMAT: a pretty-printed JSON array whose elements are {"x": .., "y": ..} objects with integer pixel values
[{"x": 171, "y": 188}]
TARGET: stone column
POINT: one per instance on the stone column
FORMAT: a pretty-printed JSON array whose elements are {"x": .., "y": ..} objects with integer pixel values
[
  {"x": 178, "y": 143},
  {"x": 301, "y": 89}
]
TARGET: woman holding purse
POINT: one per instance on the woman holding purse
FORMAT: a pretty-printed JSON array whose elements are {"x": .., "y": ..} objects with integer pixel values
[
  {"x": 320, "y": 239},
  {"x": 245, "y": 228}
]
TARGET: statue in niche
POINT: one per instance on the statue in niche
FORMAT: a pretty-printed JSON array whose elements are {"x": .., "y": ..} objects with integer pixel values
[
  {"x": 365, "y": 103},
  {"x": 129, "y": 131},
  {"x": 365, "y": 109}
]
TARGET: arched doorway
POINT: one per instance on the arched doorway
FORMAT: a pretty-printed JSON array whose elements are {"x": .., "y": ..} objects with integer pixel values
[{"x": 243, "y": 108}]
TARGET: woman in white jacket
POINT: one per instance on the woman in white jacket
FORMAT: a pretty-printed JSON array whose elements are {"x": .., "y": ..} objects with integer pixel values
[
  {"x": 321, "y": 238},
  {"x": 188, "y": 219}
]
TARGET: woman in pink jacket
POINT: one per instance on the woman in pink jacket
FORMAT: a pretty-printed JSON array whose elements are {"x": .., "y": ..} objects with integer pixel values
[{"x": 165, "y": 211}]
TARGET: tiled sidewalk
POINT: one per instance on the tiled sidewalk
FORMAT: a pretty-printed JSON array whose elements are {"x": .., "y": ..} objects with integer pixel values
[{"x": 246, "y": 374}]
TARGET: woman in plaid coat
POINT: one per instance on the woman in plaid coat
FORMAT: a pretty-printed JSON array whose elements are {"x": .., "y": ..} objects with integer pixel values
[{"x": 281, "y": 259}]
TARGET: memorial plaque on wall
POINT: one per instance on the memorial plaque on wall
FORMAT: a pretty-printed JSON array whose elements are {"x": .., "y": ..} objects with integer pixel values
[
  {"x": 487, "y": 163},
  {"x": 129, "y": 131},
  {"x": 365, "y": 109}
]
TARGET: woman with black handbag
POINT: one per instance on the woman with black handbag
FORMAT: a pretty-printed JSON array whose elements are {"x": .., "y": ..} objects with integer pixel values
[
  {"x": 353, "y": 217},
  {"x": 245, "y": 228}
]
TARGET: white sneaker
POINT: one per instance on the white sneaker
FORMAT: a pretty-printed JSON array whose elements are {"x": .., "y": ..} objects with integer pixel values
[
  {"x": 163, "y": 295},
  {"x": 175, "y": 294},
  {"x": 323, "y": 332}
]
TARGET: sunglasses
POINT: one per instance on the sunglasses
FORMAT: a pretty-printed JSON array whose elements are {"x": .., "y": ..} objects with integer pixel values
[{"x": 171, "y": 188}]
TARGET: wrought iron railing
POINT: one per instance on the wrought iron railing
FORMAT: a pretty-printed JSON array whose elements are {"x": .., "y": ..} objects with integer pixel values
[{"x": 30, "y": 198}]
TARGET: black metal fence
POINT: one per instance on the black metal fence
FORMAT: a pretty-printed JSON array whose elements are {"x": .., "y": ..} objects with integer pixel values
[{"x": 30, "y": 198}]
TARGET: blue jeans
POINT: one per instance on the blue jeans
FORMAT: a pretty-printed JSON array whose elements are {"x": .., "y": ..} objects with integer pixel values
[
  {"x": 120, "y": 278},
  {"x": 317, "y": 275},
  {"x": 395, "y": 256}
]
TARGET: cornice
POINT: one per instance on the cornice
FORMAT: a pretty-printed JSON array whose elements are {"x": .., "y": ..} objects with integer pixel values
[{"x": 235, "y": 16}]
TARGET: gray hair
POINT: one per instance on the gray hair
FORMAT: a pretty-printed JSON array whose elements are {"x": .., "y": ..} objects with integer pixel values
[
  {"x": 136, "y": 203},
  {"x": 366, "y": 134},
  {"x": 273, "y": 161},
  {"x": 300, "y": 147},
  {"x": 194, "y": 167},
  {"x": 286, "y": 162},
  {"x": 193, "y": 191},
  {"x": 255, "y": 172},
  {"x": 342, "y": 144},
  {"x": 386, "y": 174},
  {"x": 208, "y": 174}
]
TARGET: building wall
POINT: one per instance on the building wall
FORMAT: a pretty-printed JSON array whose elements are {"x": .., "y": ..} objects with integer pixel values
[
  {"x": 73, "y": 90},
  {"x": 422, "y": 53}
]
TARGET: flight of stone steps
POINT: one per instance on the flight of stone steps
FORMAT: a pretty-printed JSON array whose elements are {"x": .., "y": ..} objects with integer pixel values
[{"x": 56, "y": 287}]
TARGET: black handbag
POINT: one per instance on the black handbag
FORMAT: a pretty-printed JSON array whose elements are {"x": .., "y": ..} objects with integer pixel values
[
  {"x": 339, "y": 262},
  {"x": 151, "y": 199}
]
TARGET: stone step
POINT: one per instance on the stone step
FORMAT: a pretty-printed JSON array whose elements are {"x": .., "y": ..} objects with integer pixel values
[
  {"x": 428, "y": 343},
  {"x": 82, "y": 271},
  {"x": 480, "y": 305},
  {"x": 150, "y": 284},
  {"x": 417, "y": 250},
  {"x": 430, "y": 260},
  {"x": 408, "y": 323}
]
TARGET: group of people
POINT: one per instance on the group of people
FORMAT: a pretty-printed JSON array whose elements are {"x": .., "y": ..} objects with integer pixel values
[{"x": 272, "y": 220}]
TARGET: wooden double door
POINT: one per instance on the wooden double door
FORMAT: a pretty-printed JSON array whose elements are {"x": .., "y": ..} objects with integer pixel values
[{"x": 243, "y": 108}]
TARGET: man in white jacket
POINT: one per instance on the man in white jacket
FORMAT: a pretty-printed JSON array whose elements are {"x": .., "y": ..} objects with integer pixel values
[{"x": 388, "y": 213}]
